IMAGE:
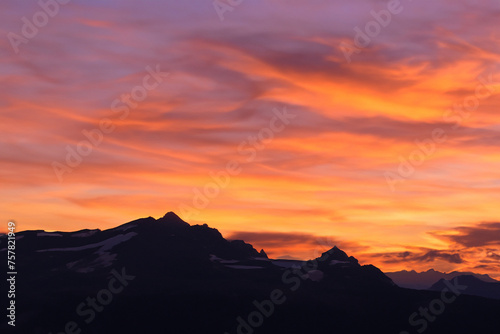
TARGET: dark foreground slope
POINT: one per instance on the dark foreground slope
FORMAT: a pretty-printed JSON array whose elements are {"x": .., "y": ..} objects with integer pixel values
[{"x": 165, "y": 276}]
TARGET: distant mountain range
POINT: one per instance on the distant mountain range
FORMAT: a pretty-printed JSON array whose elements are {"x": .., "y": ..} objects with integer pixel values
[
  {"x": 474, "y": 286},
  {"x": 424, "y": 280},
  {"x": 166, "y": 276}
]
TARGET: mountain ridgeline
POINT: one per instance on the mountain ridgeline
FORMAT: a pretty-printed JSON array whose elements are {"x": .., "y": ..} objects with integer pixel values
[
  {"x": 424, "y": 280},
  {"x": 166, "y": 276}
]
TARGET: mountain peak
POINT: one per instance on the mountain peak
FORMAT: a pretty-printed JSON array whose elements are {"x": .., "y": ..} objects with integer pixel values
[
  {"x": 336, "y": 254},
  {"x": 171, "y": 218},
  {"x": 171, "y": 215}
]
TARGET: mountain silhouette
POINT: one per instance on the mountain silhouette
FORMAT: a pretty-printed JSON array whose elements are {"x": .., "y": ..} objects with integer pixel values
[
  {"x": 474, "y": 286},
  {"x": 167, "y": 276},
  {"x": 423, "y": 280}
]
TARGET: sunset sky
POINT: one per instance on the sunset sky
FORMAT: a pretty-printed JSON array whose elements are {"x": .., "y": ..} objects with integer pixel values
[{"x": 391, "y": 152}]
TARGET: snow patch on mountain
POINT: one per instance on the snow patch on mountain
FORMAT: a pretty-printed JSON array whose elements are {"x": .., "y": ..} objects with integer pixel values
[
  {"x": 214, "y": 258},
  {"x": 125, "y": 228},
  {"x": 48, "y": 234},
  {"x": 314, "y": 275},
  {"x": 104, "y": 259},
  {"x": 104, "y": 245},
  {"x": 84, "y": 234},
  {"x": 288, "y": 264},
  {"x": 243, "y": 267}
]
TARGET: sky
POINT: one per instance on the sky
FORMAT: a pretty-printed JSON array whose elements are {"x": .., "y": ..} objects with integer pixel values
[{"x": 294, "y": 125}]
